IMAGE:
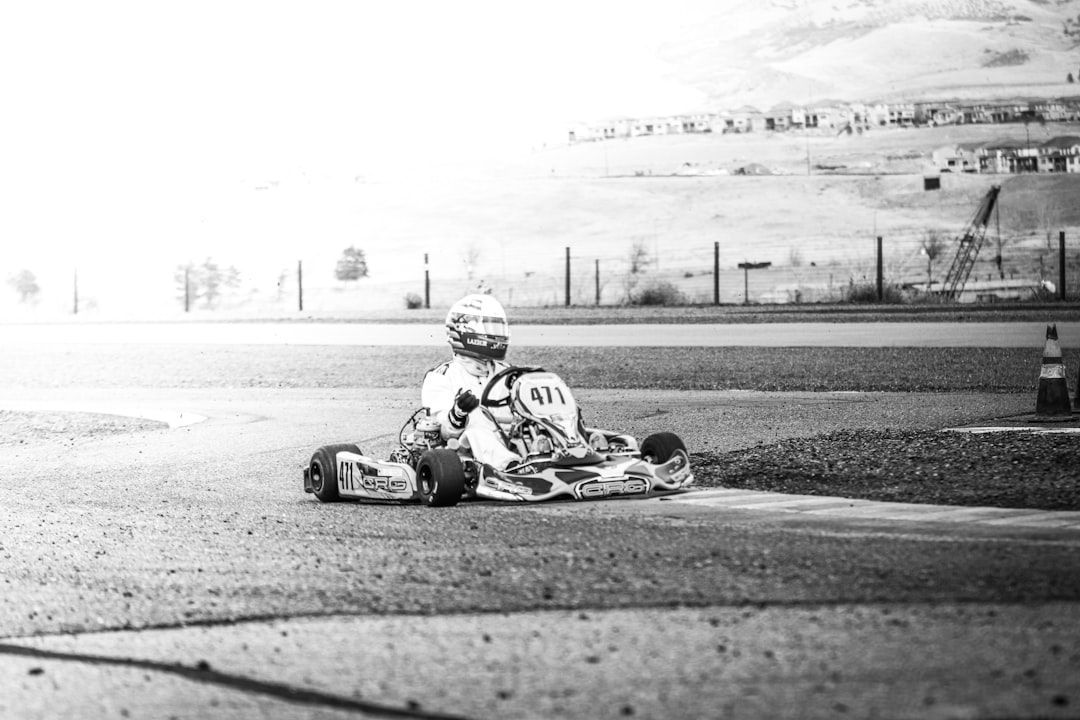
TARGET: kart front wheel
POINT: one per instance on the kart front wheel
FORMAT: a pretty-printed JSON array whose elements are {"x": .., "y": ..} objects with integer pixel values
[
  {"x": 659, "y": 448},
  {"x": 440, "y": 478},
  {"x": 323, "y": 470}
]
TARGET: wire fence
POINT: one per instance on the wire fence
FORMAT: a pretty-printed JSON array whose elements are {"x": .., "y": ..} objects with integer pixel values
[{"x": 653, "y": 270}]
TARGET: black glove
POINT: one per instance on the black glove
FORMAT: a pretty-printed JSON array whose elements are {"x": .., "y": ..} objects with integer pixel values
[{"x": 464, "y": 404}]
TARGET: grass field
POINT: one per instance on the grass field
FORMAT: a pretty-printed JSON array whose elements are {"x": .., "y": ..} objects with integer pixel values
[{"x": 510, "y": 227}]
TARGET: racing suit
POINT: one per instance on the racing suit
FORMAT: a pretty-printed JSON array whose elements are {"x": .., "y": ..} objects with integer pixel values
[{"x": 440, "y": 390}]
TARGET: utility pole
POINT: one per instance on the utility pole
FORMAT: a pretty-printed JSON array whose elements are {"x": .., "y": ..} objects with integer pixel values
[
  {"x": 598, "y": 282},
  {"x": 300, "y": 284},
  {"x": 716, "y": 273},
  {"x": 881, "y": 274},
  {"x": 746, "y": 268},
  {"x": 1061, "y": 265},
  {"x": 427, "y": 284},
  {"x": 567, "y": 277}
]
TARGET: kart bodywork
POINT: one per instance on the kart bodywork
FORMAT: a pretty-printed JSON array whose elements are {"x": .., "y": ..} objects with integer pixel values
[{"x": 562, "y": 458}]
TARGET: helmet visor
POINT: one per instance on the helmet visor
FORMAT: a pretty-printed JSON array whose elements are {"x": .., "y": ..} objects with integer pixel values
[{"x": 483, "y": 325}]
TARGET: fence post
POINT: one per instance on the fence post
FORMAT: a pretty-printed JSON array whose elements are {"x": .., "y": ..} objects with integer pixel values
[
  {"x": 1061, "y": 265},
  {"x": 880, "y": 273},
  {"x": 598, "y": 282},
  {"x": 187, "y": 289},
  {"x": 567, "y": 277},
  {"x": 76, "y": 289},
  {"x": 716, "y": 273},
  {"x": 427, "y": 284},
  {"x": 300, "y": 283}
]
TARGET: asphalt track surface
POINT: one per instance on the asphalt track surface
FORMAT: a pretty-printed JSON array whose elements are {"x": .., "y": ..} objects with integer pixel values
[{"x": 181, "y": 572}]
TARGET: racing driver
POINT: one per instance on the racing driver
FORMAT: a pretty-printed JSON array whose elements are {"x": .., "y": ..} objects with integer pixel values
[{"x": 479, "y": 336}]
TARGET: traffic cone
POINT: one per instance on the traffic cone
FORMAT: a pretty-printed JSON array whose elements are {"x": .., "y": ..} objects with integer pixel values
[{"x": 1053, "y": 399}]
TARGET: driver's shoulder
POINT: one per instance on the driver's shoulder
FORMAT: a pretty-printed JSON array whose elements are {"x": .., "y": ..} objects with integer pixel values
[{"x": 440, "y": 369}]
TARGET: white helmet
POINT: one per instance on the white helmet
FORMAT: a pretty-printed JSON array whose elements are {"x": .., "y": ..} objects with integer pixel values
[{"x": 476, "y": 327}]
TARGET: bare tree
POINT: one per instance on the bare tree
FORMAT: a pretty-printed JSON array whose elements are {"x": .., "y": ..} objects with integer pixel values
[
  {"x": 1019, "y": 222},
  {"x": 206, "y": 281},
  {"x": 1047, "y": 214},
  {"x": 282, "y": 283},
  {"x": 932, "y": 245},
  {"x": 640, "y": 258},
  {"x": 470, "y": 256},
  {"x": 638, "y": 263}
]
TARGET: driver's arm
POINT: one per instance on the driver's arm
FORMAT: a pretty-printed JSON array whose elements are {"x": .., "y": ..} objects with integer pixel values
[{"x": 437, "y": 394}]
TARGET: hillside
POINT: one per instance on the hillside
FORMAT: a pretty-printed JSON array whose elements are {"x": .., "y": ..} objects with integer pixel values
[
  {"x": 815, "y": 218},
  {"x": 802, "y": 51}
]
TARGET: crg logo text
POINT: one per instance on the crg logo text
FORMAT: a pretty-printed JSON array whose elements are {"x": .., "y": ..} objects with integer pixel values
[
  {"x": 607, "y": 488},
  {"x": 351, "y": 477}
]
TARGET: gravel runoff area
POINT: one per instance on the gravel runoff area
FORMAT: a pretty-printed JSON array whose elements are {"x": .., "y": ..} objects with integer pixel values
[{"x": 1011, "y": 469}]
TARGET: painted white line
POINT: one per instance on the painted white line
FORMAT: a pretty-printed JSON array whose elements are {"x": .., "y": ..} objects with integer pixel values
[
  {"x": 1036, "y": 518},
  {"x": 762, "y": 499},
  {"x": 1050, "y": 429},
  {"x": 173, "y": 418},
  {"x": 797, "y": 503},
  {"x": 731, "y": 499}
]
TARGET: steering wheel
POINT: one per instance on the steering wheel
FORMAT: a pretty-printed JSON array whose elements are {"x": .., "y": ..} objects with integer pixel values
[{"x": 505, "y": 377}]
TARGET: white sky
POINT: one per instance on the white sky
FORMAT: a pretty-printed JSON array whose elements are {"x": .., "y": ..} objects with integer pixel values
[{"x": 126, "y": 125}]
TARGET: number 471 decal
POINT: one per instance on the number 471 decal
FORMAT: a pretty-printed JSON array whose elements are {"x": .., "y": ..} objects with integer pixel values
[{"x": 538, "y": 393}]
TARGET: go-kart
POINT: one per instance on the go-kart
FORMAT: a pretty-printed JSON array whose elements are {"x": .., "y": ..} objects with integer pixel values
[{"x": 561, "y": 457}]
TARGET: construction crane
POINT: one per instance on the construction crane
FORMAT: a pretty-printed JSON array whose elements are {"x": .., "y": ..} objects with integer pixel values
[{"x": 970, "y": 244}]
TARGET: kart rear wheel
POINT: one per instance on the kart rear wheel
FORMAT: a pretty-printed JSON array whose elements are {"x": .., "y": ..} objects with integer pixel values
[
  {"x": 323, "y": 470},
  {"x": 440, "y": 478},
  {"x": 659, "y": 448}
]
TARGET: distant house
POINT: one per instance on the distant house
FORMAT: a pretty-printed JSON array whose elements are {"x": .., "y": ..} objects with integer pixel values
[
  {"x": 695, "y": 123},
  {"x": 957, "y": 158},
  {"x": 1060, "y": 154},
  {"x": 616, "y": 128},
  {"x": 858, "y": 115},
  {"x": 842, "y": 116},
  {"x": 825, "y": 116},
  {"x": 1052, "y": 110},
  {"x": 784, "y": 116},
  {"x": 649, "y": 126},
  {"x": 997, "y": 112},
  {"x": 877, "y": 114},
  {"x": 604, "y": 130},
  {"x": 937, "y": 114},
  {"x": 745, "y": 119},
  {"x": 1008, "y": 156},
  {"x": 901, "y": 115}
]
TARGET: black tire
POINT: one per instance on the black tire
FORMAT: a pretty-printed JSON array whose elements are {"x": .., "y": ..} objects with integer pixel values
[
  {"x": 659, "y": 448},
  {"x": 323, "y": 470},
  {"x": 440, "y": 478}
]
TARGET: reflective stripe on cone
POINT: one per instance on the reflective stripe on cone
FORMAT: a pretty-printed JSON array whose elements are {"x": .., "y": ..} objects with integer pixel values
[{"x": 1053, "y": 398}]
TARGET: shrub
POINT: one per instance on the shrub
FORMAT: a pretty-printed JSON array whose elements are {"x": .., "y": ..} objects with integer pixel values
[
  {"x": 413, "y": 301},
  {"x": 867, "y": 293},
  {"x": 659, "y": 293}
]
